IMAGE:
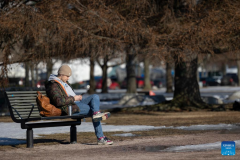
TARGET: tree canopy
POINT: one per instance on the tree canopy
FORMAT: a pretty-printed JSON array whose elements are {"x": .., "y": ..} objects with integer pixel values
[{"x": 79, "y": 28}]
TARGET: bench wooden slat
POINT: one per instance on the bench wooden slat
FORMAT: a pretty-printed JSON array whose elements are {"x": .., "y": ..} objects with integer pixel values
[
  {"x": 26, "y": 112},
  {"x": 23, "y": 112},
  {"x": 23, "y": 95},
  {"x": 26, "y": 115},
  {"x": 22, "y": 98},
  {"x": 24, "y": 92},
  {"x": 23, "y": 101},
  {"x": 24, "y": 107},
  {"x": 24, "y": 104}
]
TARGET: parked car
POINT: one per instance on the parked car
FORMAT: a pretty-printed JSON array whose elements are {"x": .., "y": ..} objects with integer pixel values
[
  {"x": 114, "y": 85},
  {"x": 230, "y": 79},
  {"x": 84, "y": 85},
  {"x": 157, "y": 83},
  {"x": 99, "y": 84},
  {"x": 234, "y": 77},
  {"x": 41, "y": 83},
  {"x": 111, "y": 84},
  {"x": 139, "y": 82},
  {"x": 211, "y": 81}
]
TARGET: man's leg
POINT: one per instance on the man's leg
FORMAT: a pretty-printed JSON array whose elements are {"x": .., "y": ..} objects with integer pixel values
[
  {"x": 94, "y": 102},
  {"x": 86, "y": 110}
]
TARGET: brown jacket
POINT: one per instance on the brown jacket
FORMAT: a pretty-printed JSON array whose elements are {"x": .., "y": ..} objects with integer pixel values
[{"x": 59, "y": 98}]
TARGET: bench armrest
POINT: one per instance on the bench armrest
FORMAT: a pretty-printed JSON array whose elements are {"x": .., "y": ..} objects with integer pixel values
[
  {"x": 16, "y": 112},
  {"x": 31, "y": 110},
  {"x": 19, "y": 114}
]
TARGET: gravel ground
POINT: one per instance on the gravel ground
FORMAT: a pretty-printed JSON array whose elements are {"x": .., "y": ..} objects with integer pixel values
[{"x": 144, "y": 148}]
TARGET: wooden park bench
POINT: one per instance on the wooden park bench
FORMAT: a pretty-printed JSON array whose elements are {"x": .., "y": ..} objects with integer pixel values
[{"x": 24, "y": 110}]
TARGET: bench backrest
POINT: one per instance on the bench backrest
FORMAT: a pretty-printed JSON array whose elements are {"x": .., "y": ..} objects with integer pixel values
[{"x": 22, "y": 105}]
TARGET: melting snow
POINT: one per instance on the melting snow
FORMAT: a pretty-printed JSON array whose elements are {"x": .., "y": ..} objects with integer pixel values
[
  {"x": 13, "y": 130},
  {"x": 125, "y": 135},
  {"x": 210, "y": 127},
  {"x": 199, "y": 147}
]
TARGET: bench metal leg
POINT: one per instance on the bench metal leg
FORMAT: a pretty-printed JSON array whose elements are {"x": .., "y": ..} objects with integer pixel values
[
  {"x": 73, "y": 134},
  {"x": 29, "y": 138}
]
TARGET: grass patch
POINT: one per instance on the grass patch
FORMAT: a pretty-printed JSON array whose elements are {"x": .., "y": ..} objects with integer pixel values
[
  {"x": 174, "y": 118},
  {"x": 172, "y": 106}
]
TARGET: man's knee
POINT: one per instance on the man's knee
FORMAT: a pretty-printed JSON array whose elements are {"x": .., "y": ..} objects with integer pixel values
[{"x": 95, "y": 96}]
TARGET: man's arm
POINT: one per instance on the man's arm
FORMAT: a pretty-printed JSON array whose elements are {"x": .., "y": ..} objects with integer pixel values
[{"x": 57, "y": 97}]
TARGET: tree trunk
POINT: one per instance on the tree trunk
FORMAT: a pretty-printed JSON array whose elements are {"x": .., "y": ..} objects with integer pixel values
[
  {"x": 92, "y": 80},
  {"x": 36, "y": 72},
  {"x": 147, "y": 83},
  {"x": 186, "y": 91},
  {"x": 131, "y": 76},
  {"x": 104, "y": 75},
  {"x": 238, "y": 67},
  {"x": 27, "y": 74},
  {"x": 33, "y": 84},
  {"x": 169, "y": 80},
  {"x": 49, "y": 68}
]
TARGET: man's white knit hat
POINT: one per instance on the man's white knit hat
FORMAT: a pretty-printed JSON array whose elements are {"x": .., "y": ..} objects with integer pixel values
[{"x": 65, "y": 70}]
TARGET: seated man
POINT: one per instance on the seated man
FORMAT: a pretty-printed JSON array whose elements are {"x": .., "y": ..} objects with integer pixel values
[{"x": 62, "y": 96}]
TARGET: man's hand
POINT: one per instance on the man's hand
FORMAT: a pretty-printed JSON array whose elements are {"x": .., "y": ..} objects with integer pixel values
[{"x": 78, "y": 98}]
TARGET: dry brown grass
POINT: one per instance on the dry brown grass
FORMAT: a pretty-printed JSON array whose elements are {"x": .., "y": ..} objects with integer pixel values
[
  {"x": 143, "y": 118},
  {"x": 174, "y": 118}
]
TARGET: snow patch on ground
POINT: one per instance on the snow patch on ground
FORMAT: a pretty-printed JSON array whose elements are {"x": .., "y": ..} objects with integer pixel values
[
  {"x": 210, "y": 127},
  {"x": 199, "y": 147},
  {"x": 13, "y": 130},
  {"x": 125, "y": 135}
]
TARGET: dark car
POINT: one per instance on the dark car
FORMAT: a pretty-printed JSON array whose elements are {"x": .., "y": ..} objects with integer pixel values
[
  {"x": 210, "y": 81},
  {"x": 230, "y": 79},
  {"x": 84, "y": 85},
  {"x": 41, "y": 83},
  {"x": 157, "y": 83}
]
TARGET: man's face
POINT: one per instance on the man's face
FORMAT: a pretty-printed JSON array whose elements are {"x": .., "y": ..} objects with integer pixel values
[{"x": 64, "y": 78}]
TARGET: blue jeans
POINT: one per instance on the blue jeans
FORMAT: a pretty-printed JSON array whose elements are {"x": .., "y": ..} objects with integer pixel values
[{"x": 87, "y": 107}]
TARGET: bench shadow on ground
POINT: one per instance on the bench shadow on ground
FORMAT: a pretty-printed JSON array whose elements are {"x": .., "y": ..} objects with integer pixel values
[
  {"x": 14, "y": 142},
  {"x": 36, "y": 141},
  {"x": 89, "y": 144},
  {"x": 11, "y": 141}
]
